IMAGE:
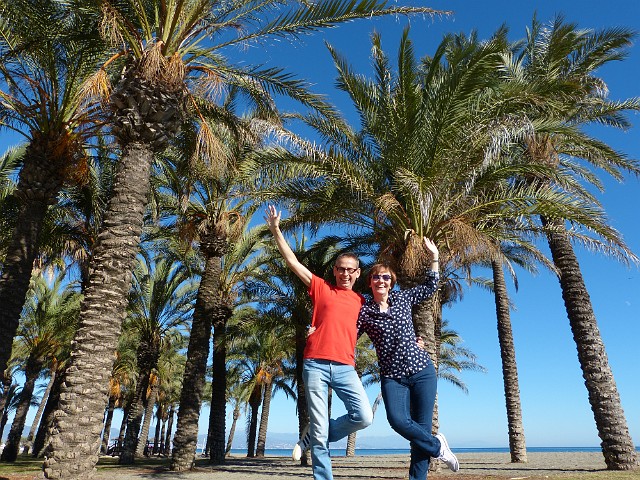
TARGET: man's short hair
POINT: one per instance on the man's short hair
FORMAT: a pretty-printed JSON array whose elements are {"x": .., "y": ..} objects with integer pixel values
[{"x": 348, "y": 255}]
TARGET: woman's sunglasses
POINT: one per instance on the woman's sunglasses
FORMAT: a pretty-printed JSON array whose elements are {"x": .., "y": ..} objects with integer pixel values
[{"x": 384, "y": 277}]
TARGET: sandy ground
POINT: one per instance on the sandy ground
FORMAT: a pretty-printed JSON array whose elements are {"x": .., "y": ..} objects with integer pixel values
[{"x": 389, "y": 467}]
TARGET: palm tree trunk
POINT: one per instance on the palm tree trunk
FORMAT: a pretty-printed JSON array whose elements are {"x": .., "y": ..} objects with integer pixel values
[
  {"x": 42, "y": 437},
  {"x": 123, "y": 427},
  {"x": 146, "y": 423},
  {"x": 427, "y": 323},
  {"x": 517, "y": 444},
  {"x": 301, "y": 402},
  {"x": 351, "y": 445},
  {"x": 38, "y": 187},
  {"x": 218, "y": 414},
  {"x": 617, "y": 447},
  {"x": 264, "y": 420},
  {"x": 185, "y": 441},
  {"x": 36, "y": 419},
  {"x": 106, "y": 434},
  {"x": 6, "y": 386},
  {"x": 167, "y": 439},
  {"x": 134, "y": 420},
  {"x": 232, "y": 431},
  {"x": 350, "y": 451},
  {"x": 254, "y": 405},
  {"x": 32, "y": 370},
  {"x": 75, "y": 442},
  {"x": 3, "y": 423},
  {"x": 158, "y": 433}
]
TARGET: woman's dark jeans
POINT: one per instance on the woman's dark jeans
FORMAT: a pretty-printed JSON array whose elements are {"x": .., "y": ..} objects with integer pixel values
[{"x": 409, "y": 403}]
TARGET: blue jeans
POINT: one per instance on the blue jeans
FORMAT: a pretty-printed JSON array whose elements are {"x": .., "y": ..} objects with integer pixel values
[
  {"x": 409, "y": 404},
  {"x": 318, "y": 376}
]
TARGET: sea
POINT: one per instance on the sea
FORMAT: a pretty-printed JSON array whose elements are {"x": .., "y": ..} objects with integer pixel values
[{"x": 338, "y": 452}]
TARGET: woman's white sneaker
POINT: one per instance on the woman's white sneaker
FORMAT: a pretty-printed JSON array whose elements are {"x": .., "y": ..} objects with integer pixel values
[{"x": 446, "y": 455}]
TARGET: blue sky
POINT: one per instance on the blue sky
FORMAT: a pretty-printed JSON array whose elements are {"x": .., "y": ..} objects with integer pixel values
[{"x": 555, "y": 407}]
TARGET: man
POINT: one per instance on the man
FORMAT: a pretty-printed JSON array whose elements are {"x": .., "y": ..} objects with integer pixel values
[{"x": 329, "y": 353}]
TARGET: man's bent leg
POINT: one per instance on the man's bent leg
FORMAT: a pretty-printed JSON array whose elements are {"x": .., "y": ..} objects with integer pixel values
[
  {"x": 316, "y": 375},
  {"x": 348, "y": 387}
]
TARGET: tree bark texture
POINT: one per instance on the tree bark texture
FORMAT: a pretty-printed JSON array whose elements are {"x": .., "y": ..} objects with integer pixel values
[
  {"x": 47, "y": 416},
  {"x": 75, "y": 439},
  {"x": 264, "y": 420},
  {"x": 38, "y": 416},
  {"x": 232, "y": 431},
  {"x": 134, "y": 420},
  {"x": 350, "y": 451},
  {"x": 218, "y": 414},
  {"x": 123, "y": 426},
  {"x": 167, "y": 438},
  {"x": 517, "y": 444},
  {"x": 38, "y": 187},
  {"x": 617, "y": 447},
  {"x": 156, "y": 433},
  {"x": 106, "y": 433},
  {"x": 254, "y": 406},
  {"x": 32, "y": 370},
  {"x": 146, "y": 421},
  {"x": 185, "y": 441},
  {"x": 301, "y": 402}
]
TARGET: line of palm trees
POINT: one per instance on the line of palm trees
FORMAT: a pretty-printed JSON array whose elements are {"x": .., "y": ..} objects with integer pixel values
[{"x": 149, "y": 149}]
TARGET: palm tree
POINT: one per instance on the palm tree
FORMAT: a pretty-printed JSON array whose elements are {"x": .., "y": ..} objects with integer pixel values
[
  {"x": 48, "y": 324},
  {"x": 160, "y": 304},
  {"x": 238, "y": 396},
  {"x": 262, "y": 349},
  {"x": 517, "y": 442},
  {"x": 561, "y": 60},
  {"x": 44, "y": 65},
  {"x": 171, "y": 372},
  {"x": 214, "y": 218}
]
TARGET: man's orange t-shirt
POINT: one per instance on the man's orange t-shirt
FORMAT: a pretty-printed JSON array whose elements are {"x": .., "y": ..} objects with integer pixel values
[{"x": 335, "y": 312}]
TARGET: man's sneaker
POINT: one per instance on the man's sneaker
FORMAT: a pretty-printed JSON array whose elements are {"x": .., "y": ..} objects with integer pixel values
[
  {"x": 446, "y": 455},
  {"x": 303, "y": 444}
]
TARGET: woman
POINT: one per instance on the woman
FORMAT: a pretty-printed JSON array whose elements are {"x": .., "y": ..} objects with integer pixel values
[{"x": 408, "y": 377}]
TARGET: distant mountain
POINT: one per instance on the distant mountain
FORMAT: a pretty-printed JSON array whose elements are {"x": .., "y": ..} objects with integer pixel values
[{"x": 286, "y": 441}]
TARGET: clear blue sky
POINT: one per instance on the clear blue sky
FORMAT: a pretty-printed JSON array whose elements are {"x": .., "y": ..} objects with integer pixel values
[{"x": 555, "y": 407}]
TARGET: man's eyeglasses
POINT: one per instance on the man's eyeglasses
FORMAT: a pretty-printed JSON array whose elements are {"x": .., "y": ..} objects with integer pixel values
[
  {"x": 346, "y": 270},
  {"x": 385, "y": 277}
]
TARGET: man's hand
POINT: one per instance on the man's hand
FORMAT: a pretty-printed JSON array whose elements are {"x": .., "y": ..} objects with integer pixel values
[{"x": 272, "y": 217}]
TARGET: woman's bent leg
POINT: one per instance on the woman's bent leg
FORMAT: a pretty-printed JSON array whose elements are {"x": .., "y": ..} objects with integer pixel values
[{"x": 409, "y": 404}]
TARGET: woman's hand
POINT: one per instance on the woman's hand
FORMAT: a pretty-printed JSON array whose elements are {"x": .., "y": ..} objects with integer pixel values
[{"x": 433, "y": 250}]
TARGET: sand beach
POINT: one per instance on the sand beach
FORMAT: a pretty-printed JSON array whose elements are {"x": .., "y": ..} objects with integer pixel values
[
  {"x": 388, "y": 467},
  {"x": 473, "y": 466}
]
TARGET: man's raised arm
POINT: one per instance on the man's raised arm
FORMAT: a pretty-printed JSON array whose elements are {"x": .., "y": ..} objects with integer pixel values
[{"x": 272, "y": 218}]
